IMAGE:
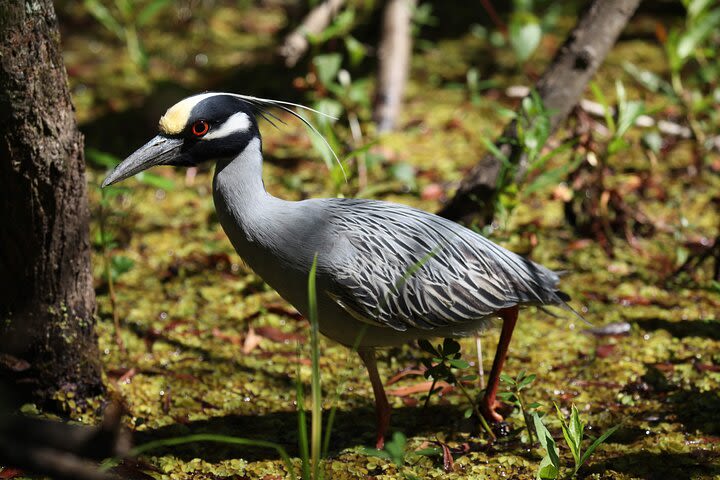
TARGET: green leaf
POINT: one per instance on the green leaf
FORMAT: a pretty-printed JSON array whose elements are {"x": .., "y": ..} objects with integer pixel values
[
  {"x": 450, "y": 347},
  {"x": 576, "y": 426},
  {"x": 648, "y": 79},
  {"x": 628, "y": 112},
  {"x": 155, "y": 180},
  {"x": 459, "y": 363},
  {"x": 150, "y": 10},
  {"x": 653, "y": 141},
  {"x": 106, "y": 19},
  {"x": 327, "y": 67},
  {"x": 525, "y": 34},
  {"x": 355, "y": 49},
  {"x": 507, "y": 379},
  {"x": 101, "y": 159},
  {"x": 546, "y": 440},
  {"x": 697, "y": 32},
  {"x": 396, "y": 448},
  {"x": 552, "y": 176},
  {"x": 120, "y": 264},
  {"x": 405, "y": 173},
  {"x": 426, "y": 346},
  {"x": 430, "y": 451},
  {"x": 125, "y": 7},
  {"x": 550, "y": 464},
  {"x": 547, "y": 471},
  {"x": 524, "y": 382},
  {"x": 506, "y": 396},
  {"x": 374, "y": 452},
  {"x": 594, "y": 445},
  {"x": 696, "y": 7},
  {"x": 342, "y": 24},
  {"x": 571, "y": 441},
  {"x": 606, "y": 106}
]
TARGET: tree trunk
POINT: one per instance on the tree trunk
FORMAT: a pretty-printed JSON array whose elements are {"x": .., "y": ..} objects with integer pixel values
[
  {"x": 47, "y": 302},
  {"x": 560, "y": 88},
  {"x": 394, "y": 67}
]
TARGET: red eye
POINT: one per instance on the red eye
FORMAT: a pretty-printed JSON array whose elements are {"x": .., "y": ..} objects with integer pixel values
[{"x": 200, "y": 128}]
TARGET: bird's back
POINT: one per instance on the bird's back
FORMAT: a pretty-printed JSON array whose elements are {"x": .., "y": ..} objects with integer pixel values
[{"x": 399, "y": 267}]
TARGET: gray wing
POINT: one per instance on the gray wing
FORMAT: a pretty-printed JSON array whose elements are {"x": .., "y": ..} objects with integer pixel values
[{"x": 405, "y": 268}]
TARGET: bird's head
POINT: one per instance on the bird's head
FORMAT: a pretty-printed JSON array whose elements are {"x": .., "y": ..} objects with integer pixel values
[{"x": 203, "y": 127}]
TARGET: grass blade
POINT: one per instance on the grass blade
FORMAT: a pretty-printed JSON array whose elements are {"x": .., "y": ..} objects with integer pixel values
[
  {"x": 208, "y": 437},
  {"x": 315, "y": 391},
  {"x": 303, "y": 443},
  {"x": 596, "y": 444}
]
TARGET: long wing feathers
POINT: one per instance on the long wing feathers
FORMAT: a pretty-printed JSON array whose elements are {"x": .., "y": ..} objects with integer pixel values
[{"x": 405, "y": 268}]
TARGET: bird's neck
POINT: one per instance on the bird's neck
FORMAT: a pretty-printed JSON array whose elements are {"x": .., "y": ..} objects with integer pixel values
[
  {"x": 240, "y": 178},
  {"x": 243, "y": 205}
]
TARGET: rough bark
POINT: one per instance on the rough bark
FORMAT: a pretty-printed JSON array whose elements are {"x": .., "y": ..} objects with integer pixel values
[
  {"x": 296, "y": 43},
  {"x": 394, "y": 53},
  {"x": 560, "y": 88},
  {"x": 46, "y": 301}
]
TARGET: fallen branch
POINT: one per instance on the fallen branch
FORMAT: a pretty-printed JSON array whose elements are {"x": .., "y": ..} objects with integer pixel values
[
  {"x": 560, "y": 89},
  {"x": 394, "y": 53},
  {"x": 296, "y": 43},
  {"x": 62, "y": 450}
]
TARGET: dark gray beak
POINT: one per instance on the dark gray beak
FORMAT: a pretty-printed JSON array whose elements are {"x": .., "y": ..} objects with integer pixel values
[{"x": 158, "y": 151}]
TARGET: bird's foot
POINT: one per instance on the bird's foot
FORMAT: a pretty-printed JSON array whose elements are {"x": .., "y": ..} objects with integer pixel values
[{"x": 488, "y": 408}]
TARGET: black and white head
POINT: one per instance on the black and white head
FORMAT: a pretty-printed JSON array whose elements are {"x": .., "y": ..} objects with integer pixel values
[{"x": 208, "y": 126}]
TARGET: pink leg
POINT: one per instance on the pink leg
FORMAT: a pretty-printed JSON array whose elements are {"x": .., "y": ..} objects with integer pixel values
[
  {"x": 488, "y": 404},
  {"x": 382, "y": 407}
]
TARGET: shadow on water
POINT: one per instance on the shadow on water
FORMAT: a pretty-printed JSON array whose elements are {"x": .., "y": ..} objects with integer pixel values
[
  {"x": 695, "y": 409},
  {"x": 683, "y": 328},
  {"x": 663, "y": 465},
  {"x": 351, "y": 428}
]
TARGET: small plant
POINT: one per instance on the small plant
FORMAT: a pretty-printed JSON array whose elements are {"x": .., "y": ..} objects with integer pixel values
[
  {"x": 445, "y": 359},
  {"x": 533, "y": 127},
  {"x": 573, "y": 432},
  {"x": 515, "y": 397},
  {"x": 394, "y": 451},
  {"x": 692, "y": 89},
  {"x": 627, "y": 113},
  {"x": 124, "y": 20}
]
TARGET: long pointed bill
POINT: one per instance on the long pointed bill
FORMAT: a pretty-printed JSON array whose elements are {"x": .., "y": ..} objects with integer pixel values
[{"x": 160, "y": 150}]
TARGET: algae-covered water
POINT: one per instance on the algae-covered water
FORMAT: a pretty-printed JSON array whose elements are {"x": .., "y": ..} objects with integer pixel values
[{"x": 211, "y": 349}]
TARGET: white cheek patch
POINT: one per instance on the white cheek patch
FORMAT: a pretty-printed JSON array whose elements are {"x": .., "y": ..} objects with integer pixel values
[{"x": 236, "y": 123}]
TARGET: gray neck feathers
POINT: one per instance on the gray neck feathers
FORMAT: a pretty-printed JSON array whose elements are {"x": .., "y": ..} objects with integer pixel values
[
  {"x": 241, "y": 177},
  {"x": 245, "y": 209}
]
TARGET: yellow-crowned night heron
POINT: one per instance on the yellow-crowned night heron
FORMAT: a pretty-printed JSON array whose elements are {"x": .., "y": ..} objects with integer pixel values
[{"x": 386, "y": 273}]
